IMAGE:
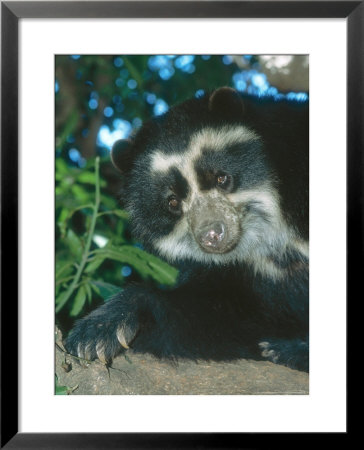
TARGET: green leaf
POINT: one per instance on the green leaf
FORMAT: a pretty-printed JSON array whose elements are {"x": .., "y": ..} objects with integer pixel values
[
  {"x": 116, "y": 212},
  {"x": 74, "y": 243},
  {"x": 63, "y": 215},
  {"x": 61, "y": 297},
  {"x": 95, "y": 288},
  {"x": 78, "y": 302},
  {"x": 63, "y": 270},
  {"x": 88, "y": 292},
  {"x": 121, "y": 213},
  {"x": 94, "y": 264},
  {"x": 108, "y": 202},
  {"x": 81, "y": 194},
  {"x": 90, "y": 178},
  {"x": 63, "y": 390},
  {"x": 106, "y": 290},
  {"x": 61, "y": 166},
  {"x": 146, "y": 264},
  {"x": 62, "y": 220},
  {"x": 163, "y": 272}
]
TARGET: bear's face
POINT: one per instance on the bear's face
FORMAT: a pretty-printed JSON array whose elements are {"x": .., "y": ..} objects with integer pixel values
[{"x": 198, "y": 185}]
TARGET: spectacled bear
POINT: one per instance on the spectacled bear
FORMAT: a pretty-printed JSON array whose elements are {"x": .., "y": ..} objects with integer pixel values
[{"x": 217, "y": 186}]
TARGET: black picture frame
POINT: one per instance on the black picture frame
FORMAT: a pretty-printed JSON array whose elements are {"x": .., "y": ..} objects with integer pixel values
[{"x": 11, "y": 12}]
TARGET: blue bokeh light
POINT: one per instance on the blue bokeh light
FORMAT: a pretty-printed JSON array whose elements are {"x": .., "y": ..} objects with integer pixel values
[
  {"x": 151, "y": 98},
  {"x": 256, "y": 83},
  {"x": 273, "y": 91},
  {"x": 249, "y": 80},
  {"x": 239, "y": 80},
  {"x": 297, "y": 96},
  {"x": 106, "y": 137},
  {"x": 259, "y": 80},
  {"x": 56, "y": 86},
  {"x": 166, "y": 73},
  {"x": 122, "y": 125},
  {"x": 227, "y": 59},
  {"x": 160, "y": 107},
  {"x": 163, "y": 64},
  {"x": 184, "y": 63},
  {"x": 93, "y": 103},
  {"x": 191, "y": 68},
  {"x": 158, "y": 62},
  {"x": 118, "y": 61},
  {"x": 302, "y": 96},
  {"x": 240, "y": 85},
  {"x": 74, "y": 155},
  {"x": 132, "y": 84},
  {"x": 108, "y": 111},
  {"x": 199, "y": 93},
  {"x": 126, "y": 271}
]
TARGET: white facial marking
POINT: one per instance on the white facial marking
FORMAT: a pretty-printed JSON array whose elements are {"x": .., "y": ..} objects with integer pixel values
[
  {"x": 162, "y": 162},
  {"x": 260, "y": 238},
  {"x": 302, "y": 247},
  {"x": 267, "y": 196},
  {"x": 206, "y": 138}
]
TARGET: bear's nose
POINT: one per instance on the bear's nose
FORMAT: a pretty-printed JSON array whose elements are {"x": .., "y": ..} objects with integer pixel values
[{"x": 211, "y": 236}]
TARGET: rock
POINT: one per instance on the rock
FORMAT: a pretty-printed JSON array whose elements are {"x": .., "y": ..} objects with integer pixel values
[{"x": 138, "y": 374}]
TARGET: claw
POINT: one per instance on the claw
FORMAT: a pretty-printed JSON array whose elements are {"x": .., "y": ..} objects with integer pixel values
[
  {"x": 79, "y": 351},
  {"x": 82, "y": 354},
  {"x": 100, "y": 350},
  {"x": 121, "y": 337},
  {"x": 88, "y": 352},
  {"x": 268, "y": 353}
]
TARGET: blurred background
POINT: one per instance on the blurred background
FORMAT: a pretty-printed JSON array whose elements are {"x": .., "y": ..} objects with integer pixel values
[{"x": 100, "y": 99}]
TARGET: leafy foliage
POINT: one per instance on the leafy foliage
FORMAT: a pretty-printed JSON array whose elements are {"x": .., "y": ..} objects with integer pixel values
[{"x": 81, "y": 256}]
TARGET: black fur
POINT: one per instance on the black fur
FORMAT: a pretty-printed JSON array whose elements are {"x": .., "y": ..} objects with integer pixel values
[{"x": 217, "y": 312}]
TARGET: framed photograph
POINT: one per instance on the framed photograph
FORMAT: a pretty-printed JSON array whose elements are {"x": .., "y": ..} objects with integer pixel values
[{"x": 80, "y": 76}]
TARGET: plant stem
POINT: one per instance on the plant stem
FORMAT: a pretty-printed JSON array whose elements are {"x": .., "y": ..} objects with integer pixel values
[{"x": 86, "y": 251}]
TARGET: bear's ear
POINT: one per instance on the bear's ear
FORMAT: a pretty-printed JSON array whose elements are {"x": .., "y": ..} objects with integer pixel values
[
  {"x": 226, "y": 101},
  {"x": 122, "y": 155}
]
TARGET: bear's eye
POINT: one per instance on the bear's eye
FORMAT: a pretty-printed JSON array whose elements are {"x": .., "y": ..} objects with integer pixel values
[
  {"x": 173, "y": 203},
  {"x": 223, "y": 181}
]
